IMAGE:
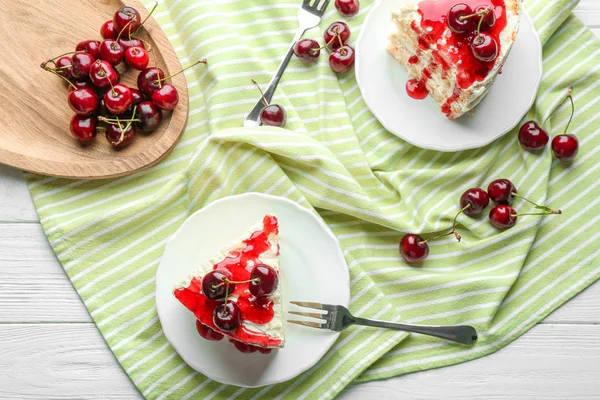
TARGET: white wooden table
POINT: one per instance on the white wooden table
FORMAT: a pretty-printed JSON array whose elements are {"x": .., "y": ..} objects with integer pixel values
[{"x": 50, "y": 348}]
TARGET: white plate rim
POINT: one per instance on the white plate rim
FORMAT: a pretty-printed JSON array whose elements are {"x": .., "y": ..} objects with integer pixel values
[
  {"x": 332, "y": 338},
  {"x": 450, "y": 148}
]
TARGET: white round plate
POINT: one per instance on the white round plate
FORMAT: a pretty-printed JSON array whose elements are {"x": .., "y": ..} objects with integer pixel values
[
  {"x": 312, "y": 269},
  {"x": 382, "y": 83}
]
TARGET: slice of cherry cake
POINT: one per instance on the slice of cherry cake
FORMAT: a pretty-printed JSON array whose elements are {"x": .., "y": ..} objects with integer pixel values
[
  {"x": 454, "y": 49},
  {"x": 237, "y": 293}
]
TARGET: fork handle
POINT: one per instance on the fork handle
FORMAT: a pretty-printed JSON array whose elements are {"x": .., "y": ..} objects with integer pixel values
[
  {"x": 254, "y": 114},
  {"x": 463, "y": 334}
]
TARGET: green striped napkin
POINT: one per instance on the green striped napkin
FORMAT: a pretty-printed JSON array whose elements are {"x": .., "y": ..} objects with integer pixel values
[{"x": 368, "y": 186}]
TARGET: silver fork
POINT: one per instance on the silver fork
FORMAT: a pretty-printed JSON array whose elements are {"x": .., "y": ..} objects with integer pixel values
[
  {"x": 309, "y": 16},
  {"x": 338, "y": 318}
]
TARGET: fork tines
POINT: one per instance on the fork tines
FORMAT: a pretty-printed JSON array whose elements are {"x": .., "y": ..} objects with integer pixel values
[
  {"x": 318, "y": 306},
  {"x": 320, "y": 5}
]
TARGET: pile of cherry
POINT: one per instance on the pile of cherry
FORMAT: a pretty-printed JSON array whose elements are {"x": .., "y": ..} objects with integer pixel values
[
  {"x": 464, "y": 20},
  {"x": 99, "y": 101},
  {"x": 502, "y": 192}
]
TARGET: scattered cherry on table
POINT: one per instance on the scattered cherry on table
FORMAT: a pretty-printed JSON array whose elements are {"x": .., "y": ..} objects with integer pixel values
[
  {"x": 336, "y": 35},
  {"x": 473, "y": 201},
  {"x": 341, "y": 59},
  {"x": 307, "y": 50},
  {"x": 271, "y": 114},
  {"x": 413, "y": 248},
  {"x": 503, "y": 216},
  {"x": 348, "y": 8}
]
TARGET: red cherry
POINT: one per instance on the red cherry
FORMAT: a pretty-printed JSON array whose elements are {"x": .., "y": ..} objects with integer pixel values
[
  {"x": 64, "y": 67},
  {"x": 138, "y": 97},
  {"x": 243, "y": 347},
  {"x": 263, "y": 350},
  {"x": 342, "y": 59},
  {"x": 81, "y": 85},
  {"x": 477, "y": 200},
  {"x": 108, "y": 31},
  {"x": 503, "y": 216},
  {"x": 84, "y": 128},
  {"x": 348, "y": 8},
  {"x": 456, "y": 21},
  {"x": 330, "y": 38},
  {"x": 263, "y": 280},
  {"x": 102, "y": 74},
  {"x": 118, "y": 99},
  {"x": 413, "y": 248},
  {"x": 227, "y": 316},
  {"x": 532, "y": 137},
  {"x": 484, "y": 47},
  {"x": 214, "y": 284},
  {"x": 307, "y": 50},
  {"x": 166, "y": 98},
  {"x": 82, "y": 62},
  {"x": 565, "y": 147},
  {"x": 114, "y": 133},
  {"x": 147, "y": 80},
  {"x": 150, "y": 116},
  {"x": 501, "y": 191},
  {"x": 127, "y": 15},
  {"x": 137, "y": 57},
  {"x": 83, "y": 102},
  {"x": 89, "y": 46},
  {"x": 111, "y": 51},
  {"x": 417, "y": 89},
  {"x": 487, "y": 14},
  {"x": 131, "y": 42},
  {"x": 273, "y": 115},
  {"x": 207, "y": 332}
]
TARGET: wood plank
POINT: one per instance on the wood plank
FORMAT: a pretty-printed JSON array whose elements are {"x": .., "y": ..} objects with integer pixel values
[
  {"x": 15, "y": 201},
  {"x": 70, "y": 361},
  {"x": 549, "y": 362}
]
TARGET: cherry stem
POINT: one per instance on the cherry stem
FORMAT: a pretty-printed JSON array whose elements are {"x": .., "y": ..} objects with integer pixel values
[
  {"x": 57, "y": 57},
  {"x": 264, "y": 100},
  {"x": 330, "y": 40},
  {"x": 452, "y": 232},
  {"x": 150, "y": 48},
  {"x": 542, "y": 213},
  {"x": 568, "y": 96},
  {"x": 482, "y": 13},
  {"x": 226, "y": 297},
  {"x": 123, "y": 30},
  {"x": 128, "y": 125},
  {"x": 151, "y": 11},
  {"x": 203, "y": 61},
  {"x": 113, "y": 121},
  {"x": 61, "y": 77},
  {"x": 548, "y": 210},
  {"x": 112, "y": 88},
  {"x": 342, "y": 50}
]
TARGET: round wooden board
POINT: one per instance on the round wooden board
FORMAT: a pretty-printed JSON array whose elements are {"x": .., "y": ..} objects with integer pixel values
[{"x": 34, "y": 114}]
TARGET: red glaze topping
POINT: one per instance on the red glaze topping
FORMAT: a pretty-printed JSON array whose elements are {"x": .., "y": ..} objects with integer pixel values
[
  {"x": 254, "y": 309},
  {"x": 456, "y": 46}
]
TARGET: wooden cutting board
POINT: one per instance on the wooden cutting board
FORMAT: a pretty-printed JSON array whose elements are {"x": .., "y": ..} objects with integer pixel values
[{"x": 34, "y": 113}]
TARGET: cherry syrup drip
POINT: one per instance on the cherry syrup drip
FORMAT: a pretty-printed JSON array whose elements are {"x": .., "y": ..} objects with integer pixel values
[
  {"x": 239, "y": 263},
  {"x": 434, "y": 34}
]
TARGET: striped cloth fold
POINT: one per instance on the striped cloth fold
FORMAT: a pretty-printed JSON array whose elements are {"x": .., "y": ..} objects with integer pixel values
[{"x": 335, "y": 159}]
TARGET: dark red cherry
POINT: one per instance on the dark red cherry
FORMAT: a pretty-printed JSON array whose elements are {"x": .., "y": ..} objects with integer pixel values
[
  {"x": 111, "y": 51},
  {"x": 501, "y": 191},
  {"x": 82, "y": 62},
  {"x": 81, "y": 85},
  {"x": 456, "y": 21},
  {"x": 417, "y": 89},
  {"x": 83, "y": 101},
  {"x": 413, "y": 248},
  {"x": 89, "y": 46},
  {"x": 64, "y": 66},
  {"x": 330, "y": 38},
  {"x": 130, "y": 42},
  {"x": 148, "y": 80},
  {"x": 487, "y": 14},
  {"x": 137, "y": 58},
  {"x": 342, "y": 59},
  {"x": 127, "y": 15},
  {"x": 84, "y": 128},
  {"x": 214, "y": 284},
  {"x": 207, "y": 332},
  {"x": 477, "y": 200},
  {"x": 118, "y": 99},
  {"x": 532, "y": 137},
  {"x": 166, "y": 98},
  {"x": 120, "y": 137},
  {"x": 102, "y": 74},
  {"x": 503, "y": 216},
  {"x": 150, "y": 116},
  {"x": 565, "y": 147},
  {"x": 264, "y": 280},
  {"x": 243, "y": 347},
  {"x": 484, "y": 47},
  {"x": 348, "y": 8},
  {"x": 273, "y": 115},
  {"x": 307, "y": 50},
  {"x": 138, "y": 97},
  {"x": 262, "y": 350},
  {"x": 108, "y": 31},
  {"x": 227, "y": 316}
]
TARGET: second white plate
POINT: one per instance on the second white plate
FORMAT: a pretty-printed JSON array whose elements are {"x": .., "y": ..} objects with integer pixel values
[
  {"x": 312, "y": 269},
  {"x": 382, "y": 83}
]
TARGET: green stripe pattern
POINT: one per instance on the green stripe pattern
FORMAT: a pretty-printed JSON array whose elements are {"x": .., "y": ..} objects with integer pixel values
[{"x": 370, "y": 187}]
